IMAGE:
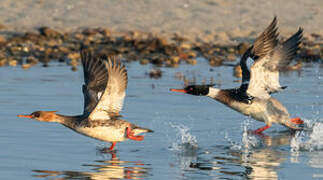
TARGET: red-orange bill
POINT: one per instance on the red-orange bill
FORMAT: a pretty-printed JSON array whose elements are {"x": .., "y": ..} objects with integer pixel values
[
  {"x": 179, "y": 90},
  {"x": 24, "y": 116}
]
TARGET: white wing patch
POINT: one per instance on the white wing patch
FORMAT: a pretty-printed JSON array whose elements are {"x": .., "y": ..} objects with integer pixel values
[
  {"x": 111, "y": 100},
  {"x": 271, "y": 56},
  {"x": 263, "y": 81}
]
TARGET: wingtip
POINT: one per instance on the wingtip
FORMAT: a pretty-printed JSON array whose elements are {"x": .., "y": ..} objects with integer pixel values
[
  {"x": 300, "y": 29},
  {"x": 266, "y": 41},
  {"x": 298, "y": 36},
  {"x": 275, "y": 18},
  {"x": 274, "y": 22},
  {"x": 114, "y": 62},
  {"x": 300, "y": 32}
]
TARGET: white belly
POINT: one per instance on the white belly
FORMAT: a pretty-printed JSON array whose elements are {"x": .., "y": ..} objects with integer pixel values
[
  {"x": 104, "y": 133},
  {"x": 256, "y": 110},
  {"x": 268, "y": 111}
]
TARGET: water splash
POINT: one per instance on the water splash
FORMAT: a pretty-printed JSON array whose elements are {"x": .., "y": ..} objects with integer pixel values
[
  {"x": 185, "y": 146},
  {"x": 185, "y": 143},
  {"x": 248, "y": 140},
  {"x": 310, "y": 140},
  {"x": 236, "y": 146}
]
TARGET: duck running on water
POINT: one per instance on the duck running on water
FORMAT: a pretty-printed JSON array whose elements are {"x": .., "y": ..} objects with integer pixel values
[
  {"x": 253, "y": 97},
  {"x": 104, "y": 92}
]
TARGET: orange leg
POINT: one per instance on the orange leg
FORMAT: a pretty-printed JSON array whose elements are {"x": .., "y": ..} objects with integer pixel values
[
  {"x": 130, "y": 135},
  {"x": 297, "y": 120},
  {"x": 260, "y": 130},
  {"x": 112, "y": 146}
]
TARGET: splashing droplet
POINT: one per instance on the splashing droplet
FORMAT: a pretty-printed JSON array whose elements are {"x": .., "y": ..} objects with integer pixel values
[
  {"x": 185, "y": 143},
  {"x": 308, "y": 140}
]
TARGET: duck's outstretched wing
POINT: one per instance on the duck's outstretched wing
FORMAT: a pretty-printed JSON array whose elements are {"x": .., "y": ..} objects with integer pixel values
[
  {"x": 95, "y": 79},
  {"x": 266, "y": 41},
  {"x": 284, "y": 54},
  {"x": 262, "y": 46},
  {"x": 264, "y": 78},
  {"x": 105, "y": 86}
]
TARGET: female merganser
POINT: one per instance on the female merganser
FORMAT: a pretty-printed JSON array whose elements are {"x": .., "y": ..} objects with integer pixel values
[
  {"x": 253, "y": 98},
  {"x": 104, "y": 92}
]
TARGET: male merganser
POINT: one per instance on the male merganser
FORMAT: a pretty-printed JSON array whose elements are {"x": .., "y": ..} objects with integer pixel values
[
  {"x": 253, "y": 98},
  {"x": 104, "y": 92}
]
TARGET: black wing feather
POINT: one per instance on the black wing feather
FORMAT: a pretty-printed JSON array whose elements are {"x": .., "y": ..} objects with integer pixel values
[
  {"x": 286, "y": 52},
  {"x": 95, "y": 78},
  {"x": 263, "y": 45}
]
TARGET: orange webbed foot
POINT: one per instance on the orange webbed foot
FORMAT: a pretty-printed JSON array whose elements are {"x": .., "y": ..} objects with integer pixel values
[
  {"x": 131, "y": 136},
  {"x": 297, "y": 120}
]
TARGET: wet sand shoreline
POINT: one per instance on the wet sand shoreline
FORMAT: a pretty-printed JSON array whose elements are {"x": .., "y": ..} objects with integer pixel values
[
  {"x": 164, "y": 33},
  {"x": 231, "y": 18},
  {"x": 46, "y": 45}
]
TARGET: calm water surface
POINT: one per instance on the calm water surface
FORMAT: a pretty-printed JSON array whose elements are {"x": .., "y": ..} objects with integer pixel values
[{"x": 195, "y": 137}]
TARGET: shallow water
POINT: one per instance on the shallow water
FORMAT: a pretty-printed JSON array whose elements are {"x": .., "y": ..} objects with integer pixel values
[{"x": 194, "y": 138}]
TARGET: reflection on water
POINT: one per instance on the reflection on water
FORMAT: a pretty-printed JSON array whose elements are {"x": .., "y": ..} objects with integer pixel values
[
  {"x": 254, "y": 163},
  {"x": 102, "y": 169},
  {"x": 263, "y": 162},
  {"x": 198, "y": 150}
]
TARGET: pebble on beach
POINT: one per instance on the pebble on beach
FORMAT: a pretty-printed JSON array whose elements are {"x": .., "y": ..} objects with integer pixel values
[{"x": 147, "y": 48}]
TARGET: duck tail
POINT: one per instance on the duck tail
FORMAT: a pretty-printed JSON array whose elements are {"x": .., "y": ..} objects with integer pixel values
[
  {"x": 142, "y": 130},
  {"x": 147, "y": 130}
]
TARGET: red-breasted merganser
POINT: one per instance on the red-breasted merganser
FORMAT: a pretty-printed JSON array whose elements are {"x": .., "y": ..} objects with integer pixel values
[
  {"x": 253, "y": 98},
  {"x": 104, "y": 92}
]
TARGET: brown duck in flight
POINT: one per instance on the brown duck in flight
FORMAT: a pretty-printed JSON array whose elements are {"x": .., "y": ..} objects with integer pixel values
[
  {"x": 104, "y": 91},
  {"x": 253, "y": 97}
]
